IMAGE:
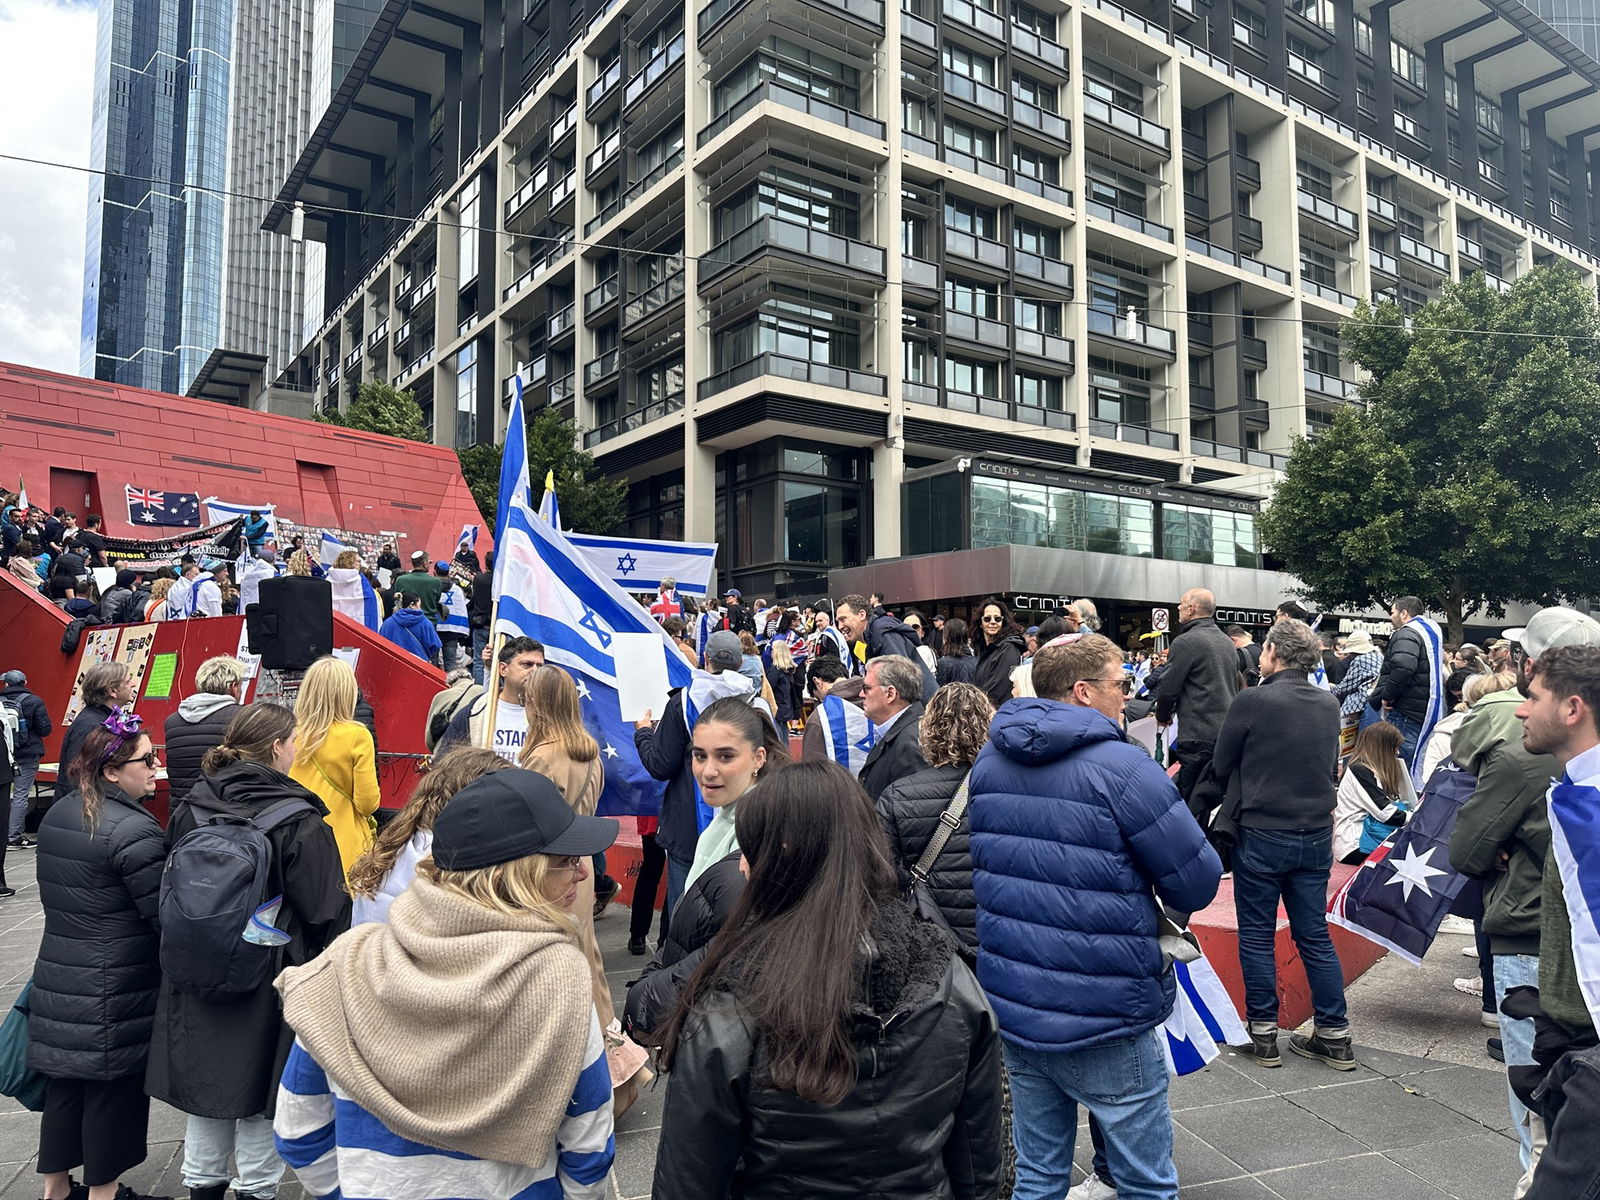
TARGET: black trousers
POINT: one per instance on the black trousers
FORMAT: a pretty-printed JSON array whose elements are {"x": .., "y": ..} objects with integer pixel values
[
  {"x": 98, "y": 1124},
  {"x": 1569, "y": 1168},
  {"x": 645, "y": 888}
]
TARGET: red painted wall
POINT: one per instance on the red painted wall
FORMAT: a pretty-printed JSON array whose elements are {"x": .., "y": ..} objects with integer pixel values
[{"x": 67, "y": 436}]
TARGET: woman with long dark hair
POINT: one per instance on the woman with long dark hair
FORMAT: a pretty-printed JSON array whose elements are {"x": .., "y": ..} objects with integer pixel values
[
  {"x": 219, "y": 1060},
  {"x": 956, "y": 662},
  {"x": 1000, "y": 646},
  {"x": 95, "y": 982},
  {"x": 830, "y": 1043}
]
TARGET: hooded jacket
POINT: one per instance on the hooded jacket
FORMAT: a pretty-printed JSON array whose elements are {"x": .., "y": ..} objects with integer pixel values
[
  {"x": 412, "y": 630},
  {"x": 197, "y": 726},
  {"x": 921, "y": 1123},
  {"x": 888, "y": 635},
  {"x": 1200, "y": 682},
  {"x": 33, "y": 722},
  {"x": 1505, "y": 812},
  {"x": 996, "y": 661},
  {"x": 1076, "y": 834},
  {"x": 223, "y": 1059}
]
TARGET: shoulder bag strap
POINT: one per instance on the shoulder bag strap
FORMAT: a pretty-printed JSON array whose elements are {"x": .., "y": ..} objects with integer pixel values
[{"x": 949, "y": 822}]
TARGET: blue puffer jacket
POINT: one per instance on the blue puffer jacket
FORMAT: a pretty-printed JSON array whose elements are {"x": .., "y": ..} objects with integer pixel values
[{"x": 1072, "y": 829}]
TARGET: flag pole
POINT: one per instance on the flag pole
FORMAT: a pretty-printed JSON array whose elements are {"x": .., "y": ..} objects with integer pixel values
[{"x": 491, "y": 675}]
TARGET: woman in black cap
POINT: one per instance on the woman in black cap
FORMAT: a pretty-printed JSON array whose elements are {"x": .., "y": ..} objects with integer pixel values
[{"x": 464, "y": 1024}]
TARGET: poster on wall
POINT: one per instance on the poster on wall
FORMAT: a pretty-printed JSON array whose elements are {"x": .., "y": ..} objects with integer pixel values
[
  {"x": 99, "y": 646},
  {"x": 134, "y": 650},
  {"x": 250, "y": 662}
]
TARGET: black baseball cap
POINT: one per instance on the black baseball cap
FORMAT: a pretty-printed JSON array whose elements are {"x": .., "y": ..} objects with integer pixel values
[{"x": 511, "y": 814}]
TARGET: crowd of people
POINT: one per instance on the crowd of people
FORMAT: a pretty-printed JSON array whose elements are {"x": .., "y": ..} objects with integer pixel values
[{"x": 917, "y": 878}]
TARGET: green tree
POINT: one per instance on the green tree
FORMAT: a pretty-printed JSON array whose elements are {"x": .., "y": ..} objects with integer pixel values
[
  {"x": 590, "y": 503},
  {"x": 1468, "y": 473},
  {"x": 379, "y": 408}
]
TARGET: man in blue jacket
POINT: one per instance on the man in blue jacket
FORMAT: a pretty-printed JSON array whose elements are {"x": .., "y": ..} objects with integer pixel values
[{"x": 1077, "y": 835}]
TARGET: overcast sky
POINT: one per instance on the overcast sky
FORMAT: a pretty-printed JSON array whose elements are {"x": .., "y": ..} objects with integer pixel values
[{"x": 46, "y": 94}]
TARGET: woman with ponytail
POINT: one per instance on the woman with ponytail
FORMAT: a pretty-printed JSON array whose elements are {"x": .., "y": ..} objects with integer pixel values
[{"x": 220, "y": 1060}]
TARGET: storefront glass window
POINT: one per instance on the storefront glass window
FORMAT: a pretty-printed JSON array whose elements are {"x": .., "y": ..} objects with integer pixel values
[
  {"x": 1205, "y": 535},
  {"x": 821, "y": 524},
  {"x": 1028, "y": 514}
]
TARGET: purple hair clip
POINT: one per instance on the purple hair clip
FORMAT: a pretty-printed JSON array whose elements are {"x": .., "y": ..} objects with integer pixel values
[{"x": 124, "y": 724}]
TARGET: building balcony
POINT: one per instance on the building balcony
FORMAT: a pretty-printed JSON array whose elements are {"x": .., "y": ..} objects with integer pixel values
[
  {"x": 1325, "y": 291},
  {"x": 1042, "y": 188},
  {"x": 1492, "y": 175},
  {"x": 1116, "y": 327},
  {"x": 1308, "y": 70},
  {"x": 1253, "y": 350},
  {"x": 563, "y": 322},
  {"x": 1335, "y": 216},
  {"x": 812, "y": 106},
  {"x": 1469, "y": 248},
  {"x": 988, "y": 406},
  {"x": 1251, "y": 233},
  {"x": 564, "y": 390},
  {"x": 654, "y": 300},
  {"x": 1050, "y": 347},
  {"x": 1243, "y": 261},
  {"x": 919, "y": 273},
  {"x": 1036, "y": 268},
  {"x": 1194, "y": 146},
  {"x": 402, "y": 334},
  {"x": 564, "y": 126},
  {"x": 992, "y": 254},
  {"x": 603, "y": 295},
  {"x": 1048, "y": 124},
  {"x": 653, "y": 72},
  {"x": 1427, "y": 256},
  {"x": 1202, "y": 399},
  {"x": 602, "y": 367},
  {"x": 1138, "y": 435},
  {"x": 1319, "y": 384},
  {"x": 637, "y": 419},
  {"x": 922, "y": 33},
  {"x": 352, "y": 361},
  {"x": 981, "y": 95},
  {"x": 1383, "y": 263},
  {"x": 865, "y": 12},
  {"x": 422, "y": 360},
  {"x": 559, "y": 248},
  {"x": 1127, "y": 123},
  {"x": 771, "y": 233},
  {"x": 644, "y": 183},
  {"x": 962, "y": 12},
  {"x": 1498, "y": 284},
  {"x": 796, "y": 370},
  {"x": 380, "y": 331},
  {"x": 603, "y": 154},
  {"x": 990, "y": 333},
  {"x": 1238, "y": 454},
  {"x": 604, "y": 87},
  {"x": 1381, "y": 210},
  {"x": 1408, "y": 126},
  {"x": 1249, "y": 172},
  {"x": 1027, "y": 42},
  {"x": 1129, "y": 220}
]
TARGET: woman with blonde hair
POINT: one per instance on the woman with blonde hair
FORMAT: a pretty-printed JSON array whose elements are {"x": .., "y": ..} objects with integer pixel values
[
  {"x": 463, "y": 1024},
  {"x": 156, "y": 609},
  {"x": 387, "y": 869},
  {"x": 1374, "y": 796},
  {"x": 353, "y": 594},
  {"x": 335, "y": 756}
]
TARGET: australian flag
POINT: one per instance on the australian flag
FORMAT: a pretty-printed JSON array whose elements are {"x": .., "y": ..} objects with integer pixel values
[
  {"x": 1405, "y": 888},
  {"x": 148, "y": 507}
]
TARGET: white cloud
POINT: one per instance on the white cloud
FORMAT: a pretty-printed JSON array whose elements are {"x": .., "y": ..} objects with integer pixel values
[{"x": 47, "y": 94}]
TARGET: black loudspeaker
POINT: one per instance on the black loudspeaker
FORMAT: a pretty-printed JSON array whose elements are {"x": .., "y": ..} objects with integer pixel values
[{"x": 292, "y": 625}]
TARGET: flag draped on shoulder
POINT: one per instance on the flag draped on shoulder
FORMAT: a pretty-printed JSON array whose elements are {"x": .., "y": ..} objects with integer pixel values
[
  {"x": 1405, "y": 888},
  {"x": 1202, "y": 1021},
  {"x": 846, "y": 732},
  {"x": 1575, "y": 841},
  {"x": 1433, "y": 645},
  {"x": 545, "y": 589}
]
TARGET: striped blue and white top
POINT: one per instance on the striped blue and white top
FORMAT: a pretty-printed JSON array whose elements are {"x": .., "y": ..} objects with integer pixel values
[{"x": 342, "y": 1152}]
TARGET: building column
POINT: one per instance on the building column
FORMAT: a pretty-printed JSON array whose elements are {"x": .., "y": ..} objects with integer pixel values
[
  {"x": 1517, "y": 199},
  {"x": 1383, "y": 74},
  {"x": 888, "y": 485},
  {"x": 1539, "y": 160},
  {"x": 1344, "y": 60},
  {"x": 1593, "y": 203}
]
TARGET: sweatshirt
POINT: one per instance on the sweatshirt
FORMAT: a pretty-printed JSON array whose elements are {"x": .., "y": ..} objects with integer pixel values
[{"x": 410, "y": 629}]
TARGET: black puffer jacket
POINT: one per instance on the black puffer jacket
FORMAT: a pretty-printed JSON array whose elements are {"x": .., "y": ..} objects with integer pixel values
[
  {"x": 72, "y": 742},
  {"x": 34, "y": 719},
  {"x": 699, "y": 917},
  {"x": 223, "y": 1059},
  {"x": 95, "y": 981},
  {"x": 197, "y": 726},
  {"x": 921, "y": 1123},
  {"x": 910, "y": 811},
  {"x": 956, "y": 668},
  {"x": 996, "y": 661},
  {"x": 1403, "y": 679}
]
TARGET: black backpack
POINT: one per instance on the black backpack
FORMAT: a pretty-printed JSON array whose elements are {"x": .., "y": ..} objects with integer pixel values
[{"x": 216, "y": 876}]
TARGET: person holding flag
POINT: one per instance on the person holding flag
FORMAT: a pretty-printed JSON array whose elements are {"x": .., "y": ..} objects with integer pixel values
[{"x": 1410, "y": 687}]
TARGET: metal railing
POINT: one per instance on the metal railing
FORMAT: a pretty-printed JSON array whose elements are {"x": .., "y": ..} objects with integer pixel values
[
  {"x": 1141, "y": 333},
  {"x": 1129, "y": 220},
  {"x": 1334, "y": 214},
  {"x": 1139, "y": 435},
  {"x": 654, "y": 299},
  {"x": 834, "y": 114},
  {"x": 653, "y": 72},
  {"x": 777, "y": 233},
  {"x": 1125, "y": 120},
  {"x": 637, "y": 419},
  {"x": 798, "y": 370},
  {"x": 1328, "y": 385}
]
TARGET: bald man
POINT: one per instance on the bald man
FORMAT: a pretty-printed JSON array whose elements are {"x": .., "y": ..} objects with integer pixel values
[{"x": 1201, "y": 680}]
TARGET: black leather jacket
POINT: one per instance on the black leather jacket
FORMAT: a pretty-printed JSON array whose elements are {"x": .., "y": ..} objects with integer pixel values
[
  {"x": 698, "y": 918},
  {"x": 921, "y": 1123}
]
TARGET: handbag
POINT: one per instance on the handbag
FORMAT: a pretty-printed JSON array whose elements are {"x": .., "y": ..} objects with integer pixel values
[
  {"x": 921, "y": 899},
  {"x": 17, "y": 1079}
]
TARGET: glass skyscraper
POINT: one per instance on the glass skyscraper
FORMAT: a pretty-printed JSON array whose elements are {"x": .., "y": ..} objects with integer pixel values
[{"x": 1576, "y": 20}]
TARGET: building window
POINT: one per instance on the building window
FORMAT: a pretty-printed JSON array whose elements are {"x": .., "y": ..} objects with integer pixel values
[
  {"x": 1113, "y": 86},
  {"x": 1041, "y": 316},
  {"x": 972, "y": 297},
  {"x": 1033, "y": 238},
  {"x": 1113, "y": 188},
  {"x": 1320, "y": 348},
  {"x": 968, "y": 217},
  {"x": 467, "y": 215},
  {"x": 1318, "y": 266},
  {"x": 1038, "y": 391},
  {"x": 1314, "y": 179},
  {"x": 821, "y": 523},
  {"x": 969, "y": 139},
  {"x": 959, "y": 60},
  {"x": 467, "y": 395},
  {"x": 1006, "y": 513},
  {"x": 795, "y": 67},
  {"x": 1209, "y": 535},
  {"x": 1036, "y": 164},
  {"x": 1035, "y": 92},
  {"x": 1034, "y": 20},
  {"x": 792, "y": 197},
  {"x": 972, "y": 377},
  {"x": 1119, "y": 393},
  {"x": 918, "y": 365}
]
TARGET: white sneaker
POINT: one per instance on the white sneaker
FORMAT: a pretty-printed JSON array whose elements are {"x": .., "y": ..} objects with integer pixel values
[
  {"x": 1457, "y": 925},
  {"x": 1488, "y": 1020},
  {"x": 1092, "y": 1189},
  {"x": 1469, "y": 951},
  {"x": 1472, "y": 987}
]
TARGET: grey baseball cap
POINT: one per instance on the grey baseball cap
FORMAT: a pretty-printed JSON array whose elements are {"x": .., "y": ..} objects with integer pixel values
[
  {"x": 723, "y": 650},
  {"x": 1555, "y": 626}
]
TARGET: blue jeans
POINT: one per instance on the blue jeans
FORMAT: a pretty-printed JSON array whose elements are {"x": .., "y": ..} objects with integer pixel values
[
  {"x": 1273, "y": 863},
  {"x": 1516, "y": 1037},
  {"x": 1123, "y": 1084},
  {"x": 480, "y": 639},
  {"x": 1410, "y": 731},
  {"x": 21, "y": 797}
]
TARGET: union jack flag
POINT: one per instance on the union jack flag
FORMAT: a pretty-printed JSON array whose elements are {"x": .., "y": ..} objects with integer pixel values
[{"x": 148, "y": 506}]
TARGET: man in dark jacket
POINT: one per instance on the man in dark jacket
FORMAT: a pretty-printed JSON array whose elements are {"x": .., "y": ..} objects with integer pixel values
[
  {"x": 104, "y": 686},
  {"x": 1200, "y": 681},
  {"x": 891, "y": 696},
  {"x": 480, "y": 610},
  {"x": 33, "y": 726},
  {"x": 883, "y": 635},
  {"x": 1276, "y": 757},
  {"x": 736, "y": 618},
  {"x": 1077, "y": 837},
  {"x": 1410, "y": 687},
  {"x": 1502, "y": 838},
  {"x": 200, "y": 721},
  {"x": 114, "y": 603}
]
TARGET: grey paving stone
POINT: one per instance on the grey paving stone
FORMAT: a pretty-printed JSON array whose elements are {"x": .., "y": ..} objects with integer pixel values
[
  {"x": 1228, "y": 1078},
  {"x": 1241, "y": 1188},
  {"x": 1381, "y": 1114},
  {"x": 1368, "y": 1177},
  {"x": 1475, "y": 1093},
  {"x": 1485, "y": 1164},
  {"x": 636, "y": 1163},
  {"x": 19, "y": 1137},
  {"x": 1387, "y": 1062},
  {"x": 1265, "y": 1134},
  {"x": 1198, "y": 1162}
]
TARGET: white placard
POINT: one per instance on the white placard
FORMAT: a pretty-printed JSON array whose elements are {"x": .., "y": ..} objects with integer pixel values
[
  {"x": 641, "y": 674},
  {"x": 1160, "y": 619},
  {"x": 348, "y": 654},
  {"x": 105, "y": 578}
]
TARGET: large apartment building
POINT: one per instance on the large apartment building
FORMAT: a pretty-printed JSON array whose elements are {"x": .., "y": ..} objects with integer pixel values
[{"x": 1037, "y": 291}]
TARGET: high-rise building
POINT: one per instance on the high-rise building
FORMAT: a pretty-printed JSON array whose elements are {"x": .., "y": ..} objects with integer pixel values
[
  {"x": 201, "y": 108},
  {"x": 1046, "y": 288},
  {"x": 1576, "y": 20}
]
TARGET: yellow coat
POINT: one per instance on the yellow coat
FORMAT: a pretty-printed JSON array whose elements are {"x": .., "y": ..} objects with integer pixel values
[{"x": 344, "y": 774}]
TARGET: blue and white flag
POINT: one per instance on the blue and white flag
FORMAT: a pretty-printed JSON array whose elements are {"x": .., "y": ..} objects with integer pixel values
[
  {"x": 846, "y": 732},
  {"x": 545, "y": 589},
  {"x": 220, "y": 511},
  {"x": 514, "y": 487},
  {"x": 1575, "y": 838},
  {"x": 1406, "y": 886},
  {"x": 639, "y": 565},
  {"x": 1433, "y": 644},
  {"x": 331, "y": 548},
  {"x": 469, "y": 537},
  {"x": 1202, "y": 1021}
]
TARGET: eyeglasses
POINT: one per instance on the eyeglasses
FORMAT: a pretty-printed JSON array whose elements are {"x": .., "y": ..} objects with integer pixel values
[
  {"x": 1121, "y": 681},
  {"x": 991, "y": 620},
  {"x": 570, "y": 863},
  {"x": 151, "y": 760}
]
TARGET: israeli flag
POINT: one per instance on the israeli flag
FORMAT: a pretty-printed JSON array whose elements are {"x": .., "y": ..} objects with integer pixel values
[
  {"x": 550, "y": 506},
  {"x": 1433, "y": 643},
  {"x": 545, "y": 589},
  {"x": 330, "y": 549},
  {"x": 220, "y": 511},
  {"x": 1203, "y": 1019},
  {"x": 639, "y": 565},
  {"x": 1575, "y": 838},
  {"x": 469, "y": 535}
]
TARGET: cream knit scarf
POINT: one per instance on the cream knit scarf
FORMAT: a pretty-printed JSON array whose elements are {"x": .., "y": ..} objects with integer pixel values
[{"x": 456, "y": 1026}]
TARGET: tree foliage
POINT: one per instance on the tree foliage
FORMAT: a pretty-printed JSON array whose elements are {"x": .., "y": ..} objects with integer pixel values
[
  {"x": 590, "y": 503},
  {"x": 1468, "y": 474},
  {"x": 379, "y": 408}
]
